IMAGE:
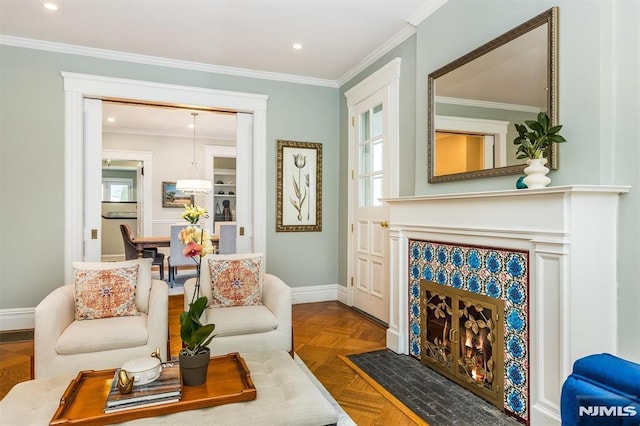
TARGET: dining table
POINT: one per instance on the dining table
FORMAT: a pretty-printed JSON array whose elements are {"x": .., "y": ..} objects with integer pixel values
[{"x": 142, "y": 243}]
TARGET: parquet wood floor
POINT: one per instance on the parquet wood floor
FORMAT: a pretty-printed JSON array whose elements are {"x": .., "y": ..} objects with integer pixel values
[{"x": 322, "y": 332}]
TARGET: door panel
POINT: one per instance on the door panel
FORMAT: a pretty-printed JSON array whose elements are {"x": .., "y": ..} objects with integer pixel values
[
  {"x": 369, "y": 160},
  {"x": 92, "y": 172}
]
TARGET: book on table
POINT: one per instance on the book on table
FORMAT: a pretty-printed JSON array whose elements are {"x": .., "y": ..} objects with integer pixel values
[{"x": 167, "y": 388}]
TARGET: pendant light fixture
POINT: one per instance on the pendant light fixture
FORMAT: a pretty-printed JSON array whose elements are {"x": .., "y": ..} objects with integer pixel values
[{"x": 196, "y": 185}]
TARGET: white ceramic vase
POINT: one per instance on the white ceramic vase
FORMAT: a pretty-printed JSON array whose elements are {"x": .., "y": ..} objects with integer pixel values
[{"x": 536, "y": 173}]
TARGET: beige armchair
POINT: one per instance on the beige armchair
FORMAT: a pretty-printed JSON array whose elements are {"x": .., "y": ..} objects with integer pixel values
[
  {"x": 258, "y": 328},
  {"x": 66, "y": 346}
]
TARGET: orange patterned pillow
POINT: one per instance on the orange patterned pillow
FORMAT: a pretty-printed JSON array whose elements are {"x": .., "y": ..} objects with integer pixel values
[
  {"x": 235, "y": 282},
  {"x": 105, "y": 293}
]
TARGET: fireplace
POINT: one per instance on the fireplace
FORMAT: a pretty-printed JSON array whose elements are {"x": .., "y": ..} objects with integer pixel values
[
  {"x": 565, "y": 269},
  {"x": 462, "y": 338},
  {"x": 468, "y": 313}
]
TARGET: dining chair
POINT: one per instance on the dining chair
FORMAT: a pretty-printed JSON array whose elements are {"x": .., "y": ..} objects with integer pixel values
[
  {"x": 227, "y": 238},
  {"x": 176, "y": 256},
  {"x": 131, "y": 252}
]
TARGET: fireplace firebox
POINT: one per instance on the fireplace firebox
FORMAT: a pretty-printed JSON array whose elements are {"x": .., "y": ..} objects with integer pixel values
[{"x": 463, "y": 338}]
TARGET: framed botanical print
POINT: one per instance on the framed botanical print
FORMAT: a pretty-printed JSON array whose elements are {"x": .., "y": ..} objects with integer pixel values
[{"x": 299, "y": 186}]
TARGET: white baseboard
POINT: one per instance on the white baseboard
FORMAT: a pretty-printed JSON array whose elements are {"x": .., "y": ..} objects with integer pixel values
[
  {"x": 343, "y": 295},
  {"x": 315, "y": 293},
  {"x": 22, "y": 318},
  {"x": 16, "y": 319}
]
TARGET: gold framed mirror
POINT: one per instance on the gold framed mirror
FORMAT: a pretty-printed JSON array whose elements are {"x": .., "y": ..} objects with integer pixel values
[{"x": 474, "y": 101}]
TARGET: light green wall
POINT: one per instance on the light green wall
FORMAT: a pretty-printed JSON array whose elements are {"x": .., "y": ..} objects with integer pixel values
[
  {"x": 32, "y": 166},
  {"x": 599, "y": 72}
]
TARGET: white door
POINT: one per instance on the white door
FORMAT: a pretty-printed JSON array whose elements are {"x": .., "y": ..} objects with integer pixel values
[
  {"x": 243, "y": 178},
  {"x": 244, "y": 184},
  {"x": 92, "y": 178},
  {"x": 370, "y": 157}
]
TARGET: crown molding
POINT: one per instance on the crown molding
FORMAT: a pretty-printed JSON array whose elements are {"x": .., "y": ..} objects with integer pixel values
[
  {"x": 425, "y": 11},
  {"x": 401, "y": 36},
  {"x": 430, "y": 7},
  {"x": 486, "y": 104},
  {"x": 163, "y": 62}
]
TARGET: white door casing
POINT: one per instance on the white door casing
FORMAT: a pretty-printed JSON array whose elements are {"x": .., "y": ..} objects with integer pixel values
[
  {"x": 92, "y": 232},
  {"x": 144, "y": 194},
  {"x": 77, "y": 87},
  {"x": 244, "y": 186},
  {"x": 368, "y": 240}
]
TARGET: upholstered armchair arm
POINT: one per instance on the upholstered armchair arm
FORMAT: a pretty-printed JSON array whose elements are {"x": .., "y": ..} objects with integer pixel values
[
  {"x": 52, "y": 316},
  {"x": 276, "y": 296},
  {"x": 157, "y": 324}
]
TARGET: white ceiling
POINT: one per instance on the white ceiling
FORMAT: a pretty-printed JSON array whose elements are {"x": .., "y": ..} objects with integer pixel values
[
  {"x": 338, "y": 37},
  {"x": 250, "y": 34}
]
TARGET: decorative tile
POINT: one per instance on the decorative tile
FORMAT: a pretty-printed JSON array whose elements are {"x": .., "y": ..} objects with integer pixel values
[{"x": 494, "y": 272}]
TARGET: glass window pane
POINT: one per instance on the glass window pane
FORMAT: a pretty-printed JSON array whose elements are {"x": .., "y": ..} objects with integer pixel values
[
  {"x": 364, "y": 189},
  {"x": 119, "y": 192},
  {"x": 377, "y": 190},
  {"x": 376, "y": 122},
  {"x": 365, "y": 158},
  {"x": 364, "y": 126},
  {"x": 377, "y": 156}
]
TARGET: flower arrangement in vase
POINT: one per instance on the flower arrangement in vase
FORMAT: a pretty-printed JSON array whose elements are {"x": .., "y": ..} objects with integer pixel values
[
  {"x": 533, "y": 142},
  {"x": 194, "y": 355}
]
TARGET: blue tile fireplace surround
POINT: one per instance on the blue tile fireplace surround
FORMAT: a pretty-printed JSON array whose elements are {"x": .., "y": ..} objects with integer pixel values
[{"x": 490, "y": 271}]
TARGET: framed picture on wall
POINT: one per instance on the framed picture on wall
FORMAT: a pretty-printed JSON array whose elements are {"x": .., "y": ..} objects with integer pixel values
[
  {"x": 299, "y": 186},
  {"x": 172, "y": 198}
]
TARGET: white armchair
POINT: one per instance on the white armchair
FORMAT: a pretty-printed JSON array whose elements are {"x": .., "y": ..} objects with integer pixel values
[
  {"x": 257, "y": 328},
  {"x": 66, "y": 346}
]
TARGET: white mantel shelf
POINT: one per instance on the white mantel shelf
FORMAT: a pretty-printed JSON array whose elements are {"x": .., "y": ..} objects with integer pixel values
[
  {"x": 570, "y": 233},
  {"x": 515, "y": 192}
]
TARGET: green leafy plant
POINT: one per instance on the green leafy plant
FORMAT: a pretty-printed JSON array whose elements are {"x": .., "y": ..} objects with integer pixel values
[
  {"x": 534, "y": 141},
  {"x": 195, "y": 335}
]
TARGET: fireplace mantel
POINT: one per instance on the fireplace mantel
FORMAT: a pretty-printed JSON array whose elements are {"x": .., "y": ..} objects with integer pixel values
[{"x": 570, "y": 233}]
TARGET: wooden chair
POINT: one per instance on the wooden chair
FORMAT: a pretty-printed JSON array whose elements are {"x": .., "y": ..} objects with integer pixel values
[{"x": 130, "y": 251}]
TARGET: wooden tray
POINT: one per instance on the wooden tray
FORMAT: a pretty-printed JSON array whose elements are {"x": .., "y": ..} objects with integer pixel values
[{"x": 228, "y": 380}]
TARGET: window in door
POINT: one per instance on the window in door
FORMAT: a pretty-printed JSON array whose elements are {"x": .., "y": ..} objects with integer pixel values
[{"x": 370, "y": 171}]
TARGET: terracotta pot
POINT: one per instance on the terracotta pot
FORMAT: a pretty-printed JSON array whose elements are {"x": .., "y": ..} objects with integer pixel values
[{"x": 193, "y": 369}]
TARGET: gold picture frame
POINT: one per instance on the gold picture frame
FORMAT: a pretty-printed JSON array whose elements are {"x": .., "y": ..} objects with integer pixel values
[
  {"x": 172, "y": 198},
  {"x": 299, "y": 187}
]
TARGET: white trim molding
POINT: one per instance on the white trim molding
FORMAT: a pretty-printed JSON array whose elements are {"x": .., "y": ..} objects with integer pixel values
[
  {"x": 17, "y": 319},
  {"x": 77, "y": 87},
  {"x": 163, "y": 62},
  {"x": 315, "y": 293},
  {"x": 486, "y": 104}
]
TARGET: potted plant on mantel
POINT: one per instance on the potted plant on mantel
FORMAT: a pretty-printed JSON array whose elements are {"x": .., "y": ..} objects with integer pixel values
[
  {"x": 195, "y": 354},
  {"x": 533, "y": 144}
]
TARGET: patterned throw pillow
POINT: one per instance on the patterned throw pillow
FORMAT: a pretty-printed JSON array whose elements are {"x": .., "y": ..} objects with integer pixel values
[
  {"x": 235, "y": 282},
  {"x": 105, "y": 293}
]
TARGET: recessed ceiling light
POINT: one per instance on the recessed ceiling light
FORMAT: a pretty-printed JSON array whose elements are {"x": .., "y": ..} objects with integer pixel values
[
  {"x": 191, "y": 126},
  {"x": 51, "y": 6},
  {"x": 111, "y": 119},
  {"x": 297, "y": 46}
]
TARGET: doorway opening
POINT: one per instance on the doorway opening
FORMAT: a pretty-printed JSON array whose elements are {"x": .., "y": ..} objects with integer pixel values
[{"x": 83, "y": 157}]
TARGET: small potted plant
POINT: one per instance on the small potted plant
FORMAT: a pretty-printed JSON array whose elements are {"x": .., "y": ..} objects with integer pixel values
[
  {"x": 533, "y": 142},
  {"x": 194, "y": 355}
]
